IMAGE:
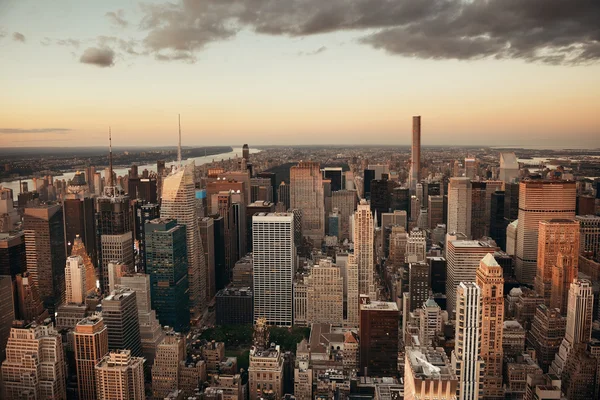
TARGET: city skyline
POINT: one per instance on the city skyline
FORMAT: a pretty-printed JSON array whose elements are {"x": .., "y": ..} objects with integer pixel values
[{"x": 329, "y": 74}]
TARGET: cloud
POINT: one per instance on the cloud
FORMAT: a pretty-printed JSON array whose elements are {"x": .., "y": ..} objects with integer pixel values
[
  {"x": 546, "y": 31},
  {"x": 314, "y": 52},
  {"x": 18, "y": 37},
  {"x": 117, "y": 18},
  {"x": 101, "y": 57},
  {"x": 39, "y": 130}
]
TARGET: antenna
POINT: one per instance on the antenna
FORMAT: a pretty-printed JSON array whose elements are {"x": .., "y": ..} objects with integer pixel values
[
  {"x": 179, "y": 147},
  {"x": 110, "y": 160}
]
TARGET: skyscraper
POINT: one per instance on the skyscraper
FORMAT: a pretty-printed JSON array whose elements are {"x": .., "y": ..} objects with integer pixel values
[
  {"x": 428, "y": 374},
  {"x": 165, "y": 371},
  {"x": 491, "y": 284},
  {"x": 497, "y": 222},
  {"x": 325, "y": 294},
  {"x": 539, "y": 200},
  {"x": 418, "y": 284},
  {"x": 207, "y": 234},
  {"x": 273, "y": 260},
  {"x": 75, "y": 276},
  {"x": 78, "y": 250},
  {"x": 119, "y": 311},
  {"x": 166, "y": 263},
  {"x": 29, "y": 305},
  {"x": 306, "y": 194},
  {"x": 35, "y": 363},
  {"x": 7, "y": 312},
  {"x": 345, "y": 201},
  {"x": 12, "y": 254},
  {"x": 352, "y": 293},
  {"x": 283, "y": 195},
  {"x": 120, "y": 376},
  {"x": 91, "y": 345},
  {"x": 546, "y": 334},
  {"x": 78, "y": 214},
  {"x": 415, "y": 155},
  {"x": 246, "y": 152},
  {"x": 459, "y": 206},
  {"x": 435, "y": 211},
  {"x": 45, "y": 252},
  {"x": 478, "y": 208},
  {"x": 589, "y": 234},
  {"x": 378, "y": 330},
  {"x": 466, "y": 356},
  {"x": 509, "y": 167},
  {"x": 178, "y": 202},
  {"x": 363, "y": 247},
  {"x": 463, "y": 258}
]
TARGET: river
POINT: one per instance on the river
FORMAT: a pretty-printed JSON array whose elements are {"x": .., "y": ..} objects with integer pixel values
[{"x": 120, "y": 171}]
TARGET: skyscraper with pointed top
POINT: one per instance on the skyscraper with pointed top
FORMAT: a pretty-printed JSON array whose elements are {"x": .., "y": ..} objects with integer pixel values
[{"x": 179, "y": 202}]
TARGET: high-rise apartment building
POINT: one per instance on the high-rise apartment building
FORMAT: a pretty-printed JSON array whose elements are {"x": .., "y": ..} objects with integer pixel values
[
  {"x": 491, "y": 284},
  {"x": 120, "y": 376},
  {"x": 378, "y": 330},
  {"x": 363, "y": 247},
  {"x": 273, "y": 258},
  {"x": 178, "y": 202},
  {"x": 415, "y": 155},
  {"x": 35, "y": 364},
  {"x": 90, "y": 341},
  {"x": 45, "y": 252},
  {"x": 463, "y": 258},
  {"x": 119, "y": 311},
  {"x": 151, "y": 332},
  {"x": 459, "y": 206},
  {"x": 428, "y": 374},
  {"x": 557, "y": 260},
  {"x": 466, "y": 356},
  {"x": 539, "y": 200},
  {"x": 306, "y": 194}
]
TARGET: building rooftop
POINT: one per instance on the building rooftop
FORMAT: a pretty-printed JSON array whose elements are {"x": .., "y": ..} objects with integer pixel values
[
  {"x": 429, "y": 363},
  {"x": 470, "y": 244},
  {"x": 380, "y": 305}
]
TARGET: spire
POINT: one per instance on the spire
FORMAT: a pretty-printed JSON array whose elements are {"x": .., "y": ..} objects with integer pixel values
[
  {"x": 110, "y": 163},
  {"x": 179, "y": 146}
]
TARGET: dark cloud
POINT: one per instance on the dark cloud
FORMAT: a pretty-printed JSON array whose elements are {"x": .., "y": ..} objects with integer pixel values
[
  {"x": 68, "y": 42},
  {"x": 39, "y": 130},
  {"x": 547, "y": 31},
  {"x": 314, "y": 52},
  {"x": 117, "y": 18},
  {"x": 18, "y": 37},
  {"x": 101, "y": 57}
]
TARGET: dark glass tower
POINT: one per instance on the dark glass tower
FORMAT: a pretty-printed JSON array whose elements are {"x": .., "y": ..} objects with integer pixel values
[
  {"x": 497, "y": 222},
  {"x": 166, "y": 263},
  {"x": 369, "y": 175}
]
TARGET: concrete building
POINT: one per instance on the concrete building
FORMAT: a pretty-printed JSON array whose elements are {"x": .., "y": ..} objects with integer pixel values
[
  {"x": 352, "y": 292},
  {"x": 546, "y": 334},
  {"x": 509, "y": 167},
  {"x": 463, "y": 258},
  {"x": 363, "y": 247},
  {"x": 416, "y": 247},
  {"x": 35, "y": 365},
  {"x": 558, "y": 243},
  {"x": 539, "y": 200},
  {"x": 120, "y": 314},
  {"x": 207, "y": 234},
  {"x": 378, "y": 330},
  {"x": 589, "y": 242},
  {"x": 306, "y": 194},
  {"x": 415, "y": 155},
  {"x": 265, "y": 373},
  {"x": 29, "y": 305},
  {"x": 178, "y": 203},
  {"x": 428, "y": 374},
  {"x": 466, "y": 356},
  {"x": 435, "y": 211},
  {"x": 91, "y": 345},
  {"x": 419, "y": 279},
  {"x": 120, "y": 376},
  {"x": 165, "y": 371},
  {"x": 430, "y": 322},
  {"x": 491, "y": 283},
  {"x": 325, "y": 294},
  {"x": 514, "y": 338},
  {"x": 459, "y": 206},
  {"x": 274, "y": 255},
  {"x": 75, "y": 283}
]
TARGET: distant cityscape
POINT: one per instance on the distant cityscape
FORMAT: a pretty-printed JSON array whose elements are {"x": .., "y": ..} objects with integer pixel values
[{"x": 301, "y": 272}]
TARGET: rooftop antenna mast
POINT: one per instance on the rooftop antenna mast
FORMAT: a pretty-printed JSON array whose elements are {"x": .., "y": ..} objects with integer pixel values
[{"x": 179, "y": 146}]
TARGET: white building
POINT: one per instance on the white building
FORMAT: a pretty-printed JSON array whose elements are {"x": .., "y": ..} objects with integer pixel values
[
  {"x": 274, "y": 257},
  {"x": 75, "y": 280},
  {"x": 459, "y": 206}
]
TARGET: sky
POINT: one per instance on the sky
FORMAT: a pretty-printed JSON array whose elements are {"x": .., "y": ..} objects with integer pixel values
[{"x": 495, "y": 72}]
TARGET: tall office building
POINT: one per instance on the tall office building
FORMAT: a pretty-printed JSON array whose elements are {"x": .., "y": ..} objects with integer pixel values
[
  {"x": 336, "y": 176},
  {"x": 90, "y": 341},
  {"x": 29, "y": 305},
  {"x": 35, "y": 365},
  {"x": 463, "y": 257},
  {"x": 75, "y": 276},
  {"x": 589, "y": 242},
  {"x": 12, "y": 254},
  {"x": 491, "y": 284},
  {"x": 466, "y": 356},
  {"x": 435, "y": 211},
  {"x": 45, "y": 252},
  {"x": 151, "y": 333},
  {"x": 78, "y": 250},
  {"x": 579, "y": 323},
  {"x": 165, "y": 371},
  {"x": 416, "y": 246},
  {"x": 306, "y": 194},
  {"x": 273, "y": 258},
  {"x": 428, "y": 374},
  {"x": 539, "y": 200},
  {"x": 78, "y": 214},
  {"x": 352, "y": 293},
  {"x": 283, "y": 195},
  {"x": 363, "y": 247},
  {"x": 120, "y": 376},
  {"x": 546, "y": 334},
  {"x": 478, "y": 208},
  {"x": 345, "y": 201},
  {"x": 459, "y": 206},
  {"x": 415, "y": 155},
  {"x": 325, "y": 294},
  {"x": 119, "y": 311},
  {"x": 144, "y": 188},
  {"x": 418, "y": 284},
  {"x": 497, "y": 222},
  {"x": 381, "y": 190},
  {"x": 166, "y": 263},
  {"x": 509, "y": 167},
  {"x": 178, "y": 202},
  {"x": 207, "y": 234},
  {"x": 143, "y": 213},
  {"x": 7, "y": 312},
  {"x": 558, "y": 243},
  {"x": 378, "y": 331}
]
